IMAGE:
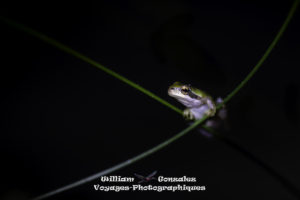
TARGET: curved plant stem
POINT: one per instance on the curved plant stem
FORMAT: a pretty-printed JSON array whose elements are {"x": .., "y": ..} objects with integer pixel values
[
  {"x": 266, "y": 54},
  {"x": 88, "y": 60},
  {"x": 143, "y": 90},
  {"x": 123, "y": 164}
]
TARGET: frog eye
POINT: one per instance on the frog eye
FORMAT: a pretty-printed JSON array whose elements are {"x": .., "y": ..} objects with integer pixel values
[{"x": 185, "y": 89}]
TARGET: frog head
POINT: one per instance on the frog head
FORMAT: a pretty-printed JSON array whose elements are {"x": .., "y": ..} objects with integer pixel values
[{"x": 186, "y": 94}]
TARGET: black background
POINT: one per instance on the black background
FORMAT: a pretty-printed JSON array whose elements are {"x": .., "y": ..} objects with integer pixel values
[{"x": 63, "y": 119}]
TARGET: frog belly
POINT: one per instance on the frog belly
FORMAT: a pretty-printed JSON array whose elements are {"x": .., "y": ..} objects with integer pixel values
[{"x": 200, "y": 111}]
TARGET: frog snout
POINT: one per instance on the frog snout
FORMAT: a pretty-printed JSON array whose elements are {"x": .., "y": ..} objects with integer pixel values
[{"x": 171, "y": 90}]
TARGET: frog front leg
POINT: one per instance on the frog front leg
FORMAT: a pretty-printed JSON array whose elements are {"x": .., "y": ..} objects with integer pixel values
[{"x": 188, "y": 114}]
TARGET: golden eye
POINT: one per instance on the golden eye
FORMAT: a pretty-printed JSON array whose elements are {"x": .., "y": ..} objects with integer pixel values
[{"x": 184, "y": 89}]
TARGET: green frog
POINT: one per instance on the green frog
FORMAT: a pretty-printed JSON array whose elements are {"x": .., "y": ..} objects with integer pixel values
[{"x": 198, "y": 104}]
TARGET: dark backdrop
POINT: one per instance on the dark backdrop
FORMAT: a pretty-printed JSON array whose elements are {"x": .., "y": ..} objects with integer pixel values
[{"x": 62, "y": 119}]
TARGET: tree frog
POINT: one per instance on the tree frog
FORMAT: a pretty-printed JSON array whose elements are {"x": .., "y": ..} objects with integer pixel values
[{"x": 198, "y": 103}]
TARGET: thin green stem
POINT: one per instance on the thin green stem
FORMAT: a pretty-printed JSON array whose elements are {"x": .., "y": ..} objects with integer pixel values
[
  {"x": 266, "y": 54},
  {"x": 143, "y": 90},
  {"x": 123, "y": 164},
  {"x": 88, "y": 60}
]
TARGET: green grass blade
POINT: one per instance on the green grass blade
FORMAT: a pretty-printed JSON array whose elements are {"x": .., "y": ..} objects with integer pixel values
[
  {"x": 88, "y": 60},
  {"x": 122, "y": 164},
  {"x": 266, "y": 54}
]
